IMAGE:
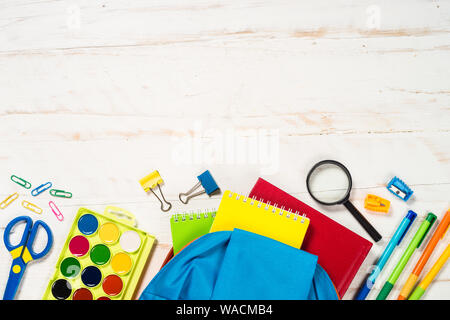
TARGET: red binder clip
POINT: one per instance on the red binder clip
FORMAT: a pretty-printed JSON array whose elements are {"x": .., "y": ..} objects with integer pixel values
[{"x": 375, "y": 203}]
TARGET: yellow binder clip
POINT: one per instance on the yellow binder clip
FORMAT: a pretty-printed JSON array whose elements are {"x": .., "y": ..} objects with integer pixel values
[
  {"x": 152, "y": 181},
  {"x": 375, "y": 203},
  {"x": 8, "y": 200},
  {"x": 32, "y": 207}
]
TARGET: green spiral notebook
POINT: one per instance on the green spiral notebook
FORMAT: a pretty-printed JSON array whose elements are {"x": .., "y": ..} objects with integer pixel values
[{"x": 187, "y": 227}]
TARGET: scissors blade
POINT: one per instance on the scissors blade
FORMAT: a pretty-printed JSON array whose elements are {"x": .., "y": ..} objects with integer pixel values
[{"x": 15, "y": 276}]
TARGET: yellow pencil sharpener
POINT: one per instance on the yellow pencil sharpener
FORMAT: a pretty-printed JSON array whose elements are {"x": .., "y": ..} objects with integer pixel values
[{"x": 375, "y": 203}]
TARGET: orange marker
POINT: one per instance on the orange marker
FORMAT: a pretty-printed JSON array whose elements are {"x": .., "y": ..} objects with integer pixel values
[{"x": 438, "y": 235}]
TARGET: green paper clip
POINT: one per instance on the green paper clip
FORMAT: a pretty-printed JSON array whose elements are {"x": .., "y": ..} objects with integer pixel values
[
  {"x": 60, "y": 193},
  {"x": 20, "y": 182}
]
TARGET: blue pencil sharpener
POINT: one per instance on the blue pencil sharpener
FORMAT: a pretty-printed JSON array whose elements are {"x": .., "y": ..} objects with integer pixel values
[{"x": 400, "y": 189}]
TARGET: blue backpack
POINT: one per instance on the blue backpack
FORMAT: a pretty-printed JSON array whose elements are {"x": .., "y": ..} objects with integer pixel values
[{"x": 240, "y": 265}]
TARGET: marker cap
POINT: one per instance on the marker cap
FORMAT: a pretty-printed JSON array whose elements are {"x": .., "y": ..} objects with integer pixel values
[
  {"x": 431, "y": 218},
  {"x": 411, "y": 216}
]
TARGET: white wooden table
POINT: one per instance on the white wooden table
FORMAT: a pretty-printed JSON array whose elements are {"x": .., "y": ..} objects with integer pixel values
[{"x": 97, "y": 94}]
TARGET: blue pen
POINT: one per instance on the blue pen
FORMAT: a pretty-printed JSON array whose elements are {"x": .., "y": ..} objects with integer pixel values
[{"x": 395, "y": 241}]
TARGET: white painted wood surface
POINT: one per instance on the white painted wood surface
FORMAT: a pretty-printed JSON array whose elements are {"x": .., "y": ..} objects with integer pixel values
[{"x": 97, "y": 94}]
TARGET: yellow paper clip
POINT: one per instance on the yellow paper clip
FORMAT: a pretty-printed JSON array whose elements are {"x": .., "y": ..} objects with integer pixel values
[
  {"x": 152, "y": 181},
  {"x": 32, "y": 207},
  {"x": 375, "y": 203},
  {"x": 8, "y": 200}
]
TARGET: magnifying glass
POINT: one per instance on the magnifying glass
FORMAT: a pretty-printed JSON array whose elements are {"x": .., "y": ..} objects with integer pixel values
[{"x": 329, "y": 182}]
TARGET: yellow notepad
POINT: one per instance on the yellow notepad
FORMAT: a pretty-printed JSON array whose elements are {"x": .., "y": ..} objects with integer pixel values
[{"x": 237, "y": 211}]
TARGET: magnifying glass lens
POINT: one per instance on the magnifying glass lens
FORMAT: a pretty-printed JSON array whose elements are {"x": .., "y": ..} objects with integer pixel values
[{"x": 329, "y": 183}]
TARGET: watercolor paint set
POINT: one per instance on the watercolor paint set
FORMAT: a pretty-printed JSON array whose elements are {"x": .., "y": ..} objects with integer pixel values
[{"x": 102, "y": 259}]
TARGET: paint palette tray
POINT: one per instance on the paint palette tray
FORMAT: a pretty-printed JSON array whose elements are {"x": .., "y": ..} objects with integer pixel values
[{"x": 102, "y": 258}]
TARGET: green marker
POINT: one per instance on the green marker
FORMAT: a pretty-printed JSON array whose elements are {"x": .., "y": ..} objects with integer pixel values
[{"x": 413, "y": 245}]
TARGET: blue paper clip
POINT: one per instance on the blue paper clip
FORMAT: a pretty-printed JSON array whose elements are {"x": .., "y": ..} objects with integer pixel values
[
  {"x": 400, "y": 189},
  {"x": 206, "y": 181},
  {"x": 37, "y": 191}
]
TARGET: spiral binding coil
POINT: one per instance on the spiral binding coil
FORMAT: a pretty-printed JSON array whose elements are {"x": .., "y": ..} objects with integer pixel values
[
  {"x": 267, "y": 205},
  {"x": 192, "y": 215}
]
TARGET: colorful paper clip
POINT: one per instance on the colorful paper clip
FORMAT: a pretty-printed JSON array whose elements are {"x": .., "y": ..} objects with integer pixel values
[
  {"x": 8, "y": 200},
  {"x": 32, "y": 207},
  {"x": 20, "y": 182},
  {"x": 56, "y": 211},
  {"x": 375, "y": 203},
  {"x": 206, "y": 181},
  {"x": 37, "y": 191},
  {"x": 400, "y": 189},
  {"x": 60, "y": 193},
  {"x": 152, "y": 181}
]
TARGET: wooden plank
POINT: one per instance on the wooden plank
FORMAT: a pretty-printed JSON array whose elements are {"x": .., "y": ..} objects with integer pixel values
[{"x": 63, "y": 24}]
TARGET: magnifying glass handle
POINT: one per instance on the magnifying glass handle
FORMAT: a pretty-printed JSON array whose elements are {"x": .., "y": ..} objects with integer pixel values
[{"x": 362, "y": 221}]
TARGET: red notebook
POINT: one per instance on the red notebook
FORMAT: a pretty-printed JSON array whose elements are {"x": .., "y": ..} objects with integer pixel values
[{"x": 341, "y": 251}]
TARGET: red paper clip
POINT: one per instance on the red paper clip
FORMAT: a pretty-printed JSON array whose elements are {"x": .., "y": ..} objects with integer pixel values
[{"x": 56, "y": 211}]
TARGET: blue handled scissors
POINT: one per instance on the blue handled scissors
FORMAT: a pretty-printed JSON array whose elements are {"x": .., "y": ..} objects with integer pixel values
[{"x": 23, "y": 252}]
